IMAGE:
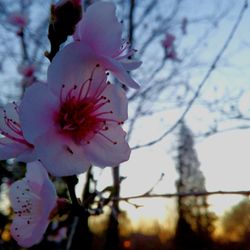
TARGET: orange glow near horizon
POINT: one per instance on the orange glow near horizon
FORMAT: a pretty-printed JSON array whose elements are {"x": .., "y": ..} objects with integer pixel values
[{"x": 127, "y": 244}]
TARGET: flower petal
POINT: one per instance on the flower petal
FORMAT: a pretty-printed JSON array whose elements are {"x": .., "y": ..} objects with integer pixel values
[
  {"x": 27, "y": 156},
  {"x": 130, "y": 64},
  {"x": 25, "y": 234},
  {"x": 108, "y": 148},
  {"x": 49, "y": 192},
  {"x": 60, "y": 155},
  {"x": 119, "y": 72},
  {"x": 37, "y": 176},
  {"x": 36, "y": 172},
  {"x": 72, "y": 66},
  {"x": 37, "y": 111},
  {"x": 100, "y": 29},
  {"x": 41, "y": 185},
  {"x": 118, "y": 104},
  {"x": 32, "y": 199},
  {"x": 18, "y": 191},
  {"x": 27, "y": 206},
  {"x": 11, "y": 149},
  {"x": 8, "y": 112}
]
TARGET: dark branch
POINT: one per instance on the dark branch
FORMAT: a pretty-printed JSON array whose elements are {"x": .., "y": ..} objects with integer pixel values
[{"x": 171, "y": 195}]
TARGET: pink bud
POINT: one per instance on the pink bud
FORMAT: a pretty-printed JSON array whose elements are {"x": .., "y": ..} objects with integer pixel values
[
  {"x": 27, "y": 71},
  {"x": 18, "y": 19},
  {"x": 168, "y": 41},
  {"x": 172, "y": 54}
]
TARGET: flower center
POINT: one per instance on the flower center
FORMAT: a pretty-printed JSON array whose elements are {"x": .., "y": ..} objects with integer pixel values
[
  {"x": 85, "y": 111},
  {"x": 76, "y": 118}
]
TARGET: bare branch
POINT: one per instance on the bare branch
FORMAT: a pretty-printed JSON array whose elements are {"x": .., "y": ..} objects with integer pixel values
[
  {"x": 131, "y": 21},
  {"x": 171, "y": 195},
  {"x": 72, "y": 232},
  {"x": 204, "y": 80}
]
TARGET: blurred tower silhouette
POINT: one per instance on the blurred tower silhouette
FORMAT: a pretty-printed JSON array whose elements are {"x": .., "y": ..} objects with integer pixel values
[{"x": 194, "y": 225}]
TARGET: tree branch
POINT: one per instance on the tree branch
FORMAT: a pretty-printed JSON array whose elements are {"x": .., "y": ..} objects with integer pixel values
[
  {"x": 171, "y": 195},
  {"x": 204, "y": 80}
]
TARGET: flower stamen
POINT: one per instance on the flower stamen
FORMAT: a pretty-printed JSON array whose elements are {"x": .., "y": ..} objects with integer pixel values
[
  {"x": 14, "y": 128},
  {"x": 83, "y": 114}
]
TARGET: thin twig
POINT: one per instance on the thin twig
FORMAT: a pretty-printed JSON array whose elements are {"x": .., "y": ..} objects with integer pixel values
[
  {"x": 72, "y": 232},
  {"x": 131, "y": 21},
  {"x": 157, "y": 182},
  {"x": 186, "y": 194},
  {"x": 147, "y": 11},
  {"x": 23, "y": 46},
  {"x": 71, "y": 183},
  {"x": 204, "y": 80}
]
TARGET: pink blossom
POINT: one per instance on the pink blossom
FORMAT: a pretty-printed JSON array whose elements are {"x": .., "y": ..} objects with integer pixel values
[
  {"x": 27, "y": 70},
  {"x": 78, "y": 121},
  {"x": 168, "y": 45},
  {"x": 28, "y": 73},
  {"x": 100, "y": 30},
  {"x": 168, "y": 42},
  {"x": 13, "y": 144},
  {"x": 171, "y": 54},
  {"x": 32, "y": 198},
  {"x": 18, "y": 19}
]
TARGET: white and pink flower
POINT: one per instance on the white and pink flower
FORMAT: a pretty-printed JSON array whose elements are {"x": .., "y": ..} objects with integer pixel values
[
  {"x": 33, "y": 199},
  {"x": 12, "y": 143},
  {"x": 100, "y": 31},
  {"x": 75, "y": 120}
]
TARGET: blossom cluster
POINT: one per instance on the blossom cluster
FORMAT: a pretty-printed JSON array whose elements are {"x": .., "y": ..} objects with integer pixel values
[{"x": 72, "y": 121}]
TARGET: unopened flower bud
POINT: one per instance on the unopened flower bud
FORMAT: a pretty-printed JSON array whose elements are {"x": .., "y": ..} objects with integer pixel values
[
  {"x": 19, "y": 20},
  {"x": 64, "y": 17}
]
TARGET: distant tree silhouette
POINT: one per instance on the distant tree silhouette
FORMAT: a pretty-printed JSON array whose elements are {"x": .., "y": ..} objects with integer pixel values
[
  {"x": 195, "y": 222},
  {"x": 236, "y": 222},
  {"x": 112, "y": 234}
]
